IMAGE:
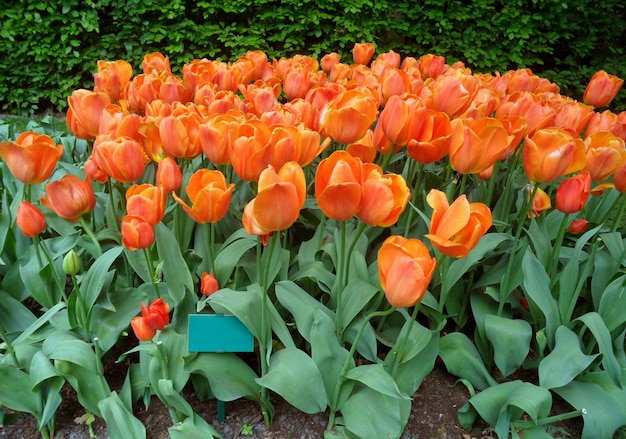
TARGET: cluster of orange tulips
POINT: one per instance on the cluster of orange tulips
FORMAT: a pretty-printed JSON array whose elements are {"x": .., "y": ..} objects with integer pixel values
[{"x": 270, "y": 119}]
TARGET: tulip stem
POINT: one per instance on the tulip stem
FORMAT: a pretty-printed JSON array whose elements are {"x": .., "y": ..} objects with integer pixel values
[
  {"x": 556, "y": 251},
  {"x": 617, "y": 220},
  {"x": 357, "y": 234},
  {"x": 87, "y": 229},
  {"x": 150, "y": 265},
  {"x": 492, "y": 183},
  {"x": 9, "y": 345},
  {"x": 211, "y": 230},
  {"x": 401, "y": 342},
  {"x": 339, "y": 279},
  {"x": 417, "y": 183},
  {"x": 387, "y": 159},
  {"x": 57, "y": 278}
]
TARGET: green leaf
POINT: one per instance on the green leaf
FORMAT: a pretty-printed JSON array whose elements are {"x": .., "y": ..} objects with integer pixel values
[
  {"x": 173, "y": 398},
  {"x": 296, "y": 378},
  {"x": 376, "y": 377},
  {"x": 40, "y": 283},
  {"x": 228, "y": 375},
  {"x": 229, "y": 256},
  {"x": 15, "y": 317},
  {"x": 463, "y": 360},
  {"x": 175, "y": 269},
  {"x": 601, "y": 333},
  {"x": 510, "y": 340},
  {"x": 565, "y": 362},
  {"x": 613, "y": 303},
  {"x": 193, "y": 428},
  {"x": 119, "y": 420},
  {"x": 23, "y": 401},
  {"x": 410, "y": 374},
  {"x": 353, "y": 299},
  {"x": 95, "y": 278}
]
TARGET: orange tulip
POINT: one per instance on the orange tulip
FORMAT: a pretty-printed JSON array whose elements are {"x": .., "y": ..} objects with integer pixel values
[
  {"x": 85, "y": 110},
  {"x": 540, "y": 203},
  {"x": 431, "y": 66},
  {"x": 573, "y": 192},
  {"x": 405, "y": 269},
  {"x": 605, "y": 121},
  {"x": 169, "y": 177},
  {"x": 476, "y": 144},
  {"x": 338, "y": 185},
  {"x": 137, "y": 233},
  {"x": 602, "y": 88},
  {"x": 347, "y": 118},
  {"x": 141, "y": 91},
  {"x": 209, "y": 195},
  {"x": 155, "y": 63},
  {"x": 619, "y": 178},
  {"x": 297, "y": 81},
  {"x": 384, "y": 196},
  {"x": 93, "y": 171},
  {"x": 362, "y": 53},
  {"x": 453, "y": 92},
  {"x": 456, "y": 228},
  {"x": 112, "y": 77},
  {"x": 146, "y": 201},
  {"x": 153, "y": 318},
  {"x": 180, "y": 135},
  {"x": 433, "y": 141},
  {"x": 280, "y": 197},
  {"x": 329, "y": 60},
  {"x": 117, "y": 121},
  {"x": 394, "y": 82},
  {"x": 208, "y": 284},
  {"x": 30, "y": 220},
  {"x": 121, "y": 158},
  {"x": 550, "y": 153},
  {"x": 402, "y": 118},
  {"x": 70, "y": 197},
  {"x": 363, "y": 148},
  {"x": 143, "y": 328},
  {"x": 216, "y": 135},
  {"x": 574, "y": 116},
  {"x": 538, "y": 113},
  {"x": 250, "y": 149},
  {"x": 577, "y": 226},
  {"x": 605, "y": 153},
  {"x": 32, "y": 157}
]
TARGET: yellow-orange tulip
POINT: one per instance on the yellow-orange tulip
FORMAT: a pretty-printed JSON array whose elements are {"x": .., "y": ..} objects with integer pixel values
[
  {"x": 573, "y": 192},
  {"x": 32, "y": 157},
  {"x": 605, "y": 153},
  {"x": 363, "y": 148},
  {"x": 540, "y": 202},
  {"x": 121, "y": 158},
  {"x": 405, "y": 269},
  {"x": 85, "y": 110},
  {"x": 402, "y": 118},
  {"x": 476, "y": 144},
  {"x": 112, "y": 77},
  {"x": 137, "y": 233},
  {"x": 433, "y": 141},
  {"x": 70, "y": 197},
  {"x": 385, "y": 196},
  {"x": 602, "y": 88},
  {"x": 362, "y": 52},
  {"x": 456, "y": 228},
  {"x": 338, "y": 185},
  {"x": 280, "y": 197},
  {"x": 30, "y": 220},
  {"x": 347, "y": 118},
  {"x": 146, "y": 201},
  {"x": 550, "y": 153},
  {"x": 209, "y": 195},
  {"x": 250, "y": 149}
]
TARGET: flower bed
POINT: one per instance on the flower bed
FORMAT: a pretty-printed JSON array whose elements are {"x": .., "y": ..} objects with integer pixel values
[{"x": 358, "y": 221}]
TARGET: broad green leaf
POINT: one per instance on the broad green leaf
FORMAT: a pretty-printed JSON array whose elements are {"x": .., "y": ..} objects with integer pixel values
[
  {"x": 192, "y": 428},
  {"x": 228, "y": 257},
  {"x": 228, "y": 375},
  {"x": 173, "y": 398},
  {"x": 175, "y": 269},
  {"x": 23, "y": 400},
  {"x": 353, "y": 299},
  {"x": 565, "y": 362},
  {"x": 317, "y": 271},
  {"x": 41, "y": 283},
  {"x": 417, "y": 339},
  {"x": 39, "y": 323},
  {"x": 93, "y": 281},
  {"x": 295, "y": 377},
  {"x": 463, "y": 360},
  {"x": 376, "y": 377},
  {"x": 613, "y": 303},
  {"x": 601, "y": 333},
  {"x": 603, "y": 414},
  {"x": 370, "y": 414},
  {"x": 367, "y": 344},
  {"x": 410, "y": 374},
  {"x": 15, "y": 317},
  {"x": 138, "y": 263},
  {"x": 41, "y": 369},
  {"x": 174, "y": 346},
  {"x": 65, "y": 346},
  {"x": 510, "y": 340},
  {"x": 119, "y": 420}
]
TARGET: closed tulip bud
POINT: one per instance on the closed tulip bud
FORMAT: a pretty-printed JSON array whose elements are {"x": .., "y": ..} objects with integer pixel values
[
  {"x": 329, "y": 60},
  {"x": 146, "y": 201},
  {"x": 405, "y": 269},
  {"x": 169, "y": 177},
  {"x": 70, "y": 197},
  {"x": 209, "y": 194},
  {"x": 573, "y": 192},
  {"x": 338, "y": 186},
  {"x": 208, "y": 284},
  {"x": 71, "y": 263},
  {"x": 602, "y": 88},
  {"x": 137, "y": 233},
  {"x": 32, "y": 157},
  {"x": 577, "y": 226},
  {"x": 30, "y": 220},
  {"x": 456, "y": 228}
]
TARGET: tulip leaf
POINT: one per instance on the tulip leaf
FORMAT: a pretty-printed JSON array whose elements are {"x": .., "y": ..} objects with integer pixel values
[
  {"x": 228, "y": 375},
  {"x": 228, "y": 257},
  {"x": 15, "y": 317},
  {"x": 367, "y": 344},
  {"x": 96, "y": 277},
  {"x": 418, "y": 339},
  {"x": 603, "y": 413},
  {"x": 295, "y": 377},
  {"x": 376, "y": 377},
  {"x": 119, "y": 419},
  {"x": 598, "y": 328},
  {"x": 193, "y": 427},
  {"x": 172, "y": 397},
  {"x": 463, "y": 360},
  {"x": 368, "y": 413},
  {"x": 46, "y": 381},
  {"x": 175, "y": 269},
  {"x": 24, "y": 400},
  {"x": 137, "y": 261},
  {"x": 317, "y": 271},
  {"x": 613, "y": 303},
  {"x": 565, "y": 362},
  {"x": 353, "y": 299},
  {"x": 510, "y": 340},
  {"x": 40, "y": 282}
]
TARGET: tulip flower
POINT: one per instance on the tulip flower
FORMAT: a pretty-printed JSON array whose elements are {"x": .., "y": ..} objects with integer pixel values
[
  {"x": 402, "y": 118},
  {"x": 209, "y": 194},
  {"x": 456, "y": 228},
  {"x": 602, "y": 88},
  {"x": 363, "y": 148},
  {"x": 433, "y": 141},
  {"x": 540, "y": 202},
  {"x": 143, "y": 328},
  {"x": 180, "y": 135},
  {"x": 93, "y": 171},
  {"x": 216, "y": 135},
  {"x": 362, "y": 53},
  {"x": 70, "y": 197},
  {"x": 112, "y": 77},
  {"x": 250, "y": 149},
  {"x": 137, "y": 233},
  {"x": 619, "y": 178},
  {"x": 208, "y": 284},
  {"x": 550, "y": 153},
  {"x": 476, "y": 144},
  {"x": 538, "y": 113},
  {"x": 347, "y": 118},
  {"x": 154, "y": 317},
  {"x": 30, "y": 220},
  {"x": 431, "y": 65},
  {"x": 405, "y": 269},
  {"x": 329, "y": 60},
  {"x": 573, "y": 192},
  {"x": 605, "y": 153},
  {"x": 146, "y": 201},
  {"x": 384, "y": 196},
  {"x": 155, "y": 62},
  {"x": 453, "y": 92},
  {"x": 578, "y": 226},
  {"x": 573, "y": 115},
  {"x": 169, "y": 177},
  {"x": 338, "y": 185},
  {"x": 280, "y": 197},
  {"x": 85, "y": 110},
  {"x": 121, "y": 158},
  {"x": 32, "y": 157}
]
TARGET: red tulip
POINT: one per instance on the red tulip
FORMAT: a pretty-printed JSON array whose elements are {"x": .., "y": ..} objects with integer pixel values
[
  {"x": 70, "y": 197},
  {"x": 573, "y": 192},
  {"x": 208, "y": 284},
  {"x": 30, "y": 220},
  {"x": 577, "y": 226}
]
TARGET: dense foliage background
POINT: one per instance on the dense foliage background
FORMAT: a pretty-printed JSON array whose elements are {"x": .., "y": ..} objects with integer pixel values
[{"x": 50, "y": 48}]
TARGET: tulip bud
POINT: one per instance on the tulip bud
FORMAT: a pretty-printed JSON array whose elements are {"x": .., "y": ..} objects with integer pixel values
[
  {"x": 577, "y": 226},
  {"x": 30, "y": 220},
  {"x": 71, "y": 263},
  {"x": 209, "y": 284}
]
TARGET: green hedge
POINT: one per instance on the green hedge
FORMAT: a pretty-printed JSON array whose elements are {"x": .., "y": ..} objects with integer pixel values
[{"x": 51, "y": 48}]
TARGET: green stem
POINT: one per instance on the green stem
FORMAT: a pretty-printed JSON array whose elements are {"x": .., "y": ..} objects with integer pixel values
[
  {"x": 211, "y": 230},
  {"x": 463, "y": 183},
  {"x": 387, "y": 158},
  {"x": 113, "y": 209},
  {"x": 561, "y": 417},
  {"x": 443, "y": 263},
  {"x": 401, "y": 342},
  {"x": 57, "y": 278},
  {"x": 357, "y": 234},
  {"x": 581, "y": 282},
  {"x": 417, "y": 183},
  {"x": 492, "y": 183},
  {"x": 556, "y": 251},
  {"x": 91, "y": 236},
  {"x": 617, "y": 220},
  {"x": 148, "y": 256},
  {"x": 339, "y": 279},
  {"x": 99, "y": 367},
  {"x": 9, "y": 345}
]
